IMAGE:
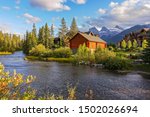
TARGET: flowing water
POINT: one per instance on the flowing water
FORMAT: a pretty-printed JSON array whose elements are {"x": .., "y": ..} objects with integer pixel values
[{"x": 53, "y": 77}]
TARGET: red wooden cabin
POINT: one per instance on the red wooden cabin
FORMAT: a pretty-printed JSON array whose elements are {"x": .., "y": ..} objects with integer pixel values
[{"x": 92, "y": 41}]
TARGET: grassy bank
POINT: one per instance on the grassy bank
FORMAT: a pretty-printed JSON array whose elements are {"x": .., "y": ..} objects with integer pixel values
[
  {"x": 142, "y": 67},
  {"x": 49, "y": 59},
  {"x": 5, "y": 53}
]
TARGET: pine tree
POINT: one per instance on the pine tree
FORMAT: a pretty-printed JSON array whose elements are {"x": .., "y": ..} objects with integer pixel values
[
  {"x": 135, "y": 44},
  {"x": 63, "y": 31},
  {"x": 123, "y": 44},
  {"x": 34, "y": 30},
  {"x": 146, "y": 53},
  {"x": 72, "y": 32},
  {"x": 51, "y": 42},
  {"x": 30, "y": 41},
  {"x": 129, "y": 44},
  {"x": 73, "y": 29},
  {"x": 6, "y": 41},
  {"x": 25, "y": 43},
  {"x": 34, "y": 36},
  {"x": 9, "y": 42},
  {"x": 47, "y": 36},
  {"x": 52, "y": 30},
  {"x": 41, "y": 35},
  {"x": 144, "y": 44},
  {"x": 1, "y": 40}
]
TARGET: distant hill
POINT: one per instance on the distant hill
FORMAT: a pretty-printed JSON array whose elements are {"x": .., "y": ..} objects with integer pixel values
[{"x": 120, "y": 36}]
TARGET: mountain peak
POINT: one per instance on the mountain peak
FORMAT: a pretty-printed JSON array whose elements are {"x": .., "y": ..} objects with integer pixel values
[
  {"x": 105, "y": 29},
  {"x": 94, "y": 30},
  {"x": 119, "y": 27}
]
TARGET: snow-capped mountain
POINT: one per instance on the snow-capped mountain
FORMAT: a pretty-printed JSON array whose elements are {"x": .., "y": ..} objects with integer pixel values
[
  {"x": 121, "y": 35},
  {"x": 107, "y": 33},
  {"x": 94, "y": 30},
  {"x": 117, "y": 33}
]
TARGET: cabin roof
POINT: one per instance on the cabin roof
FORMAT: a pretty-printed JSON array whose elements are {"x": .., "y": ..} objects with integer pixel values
[{"x": 92, "y": 37}]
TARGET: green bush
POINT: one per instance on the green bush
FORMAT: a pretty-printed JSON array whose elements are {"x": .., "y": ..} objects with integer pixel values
[
  {"x": 15, "y": 87},
  {"x": 62, "y": 52},
  {"x": 117, "y": 63},
  {"x": 101, "y": 55},
  {"x": 41, "y": 51},
  {"x": 38, "y": 50},
  {"x": 83, "y": 54}
]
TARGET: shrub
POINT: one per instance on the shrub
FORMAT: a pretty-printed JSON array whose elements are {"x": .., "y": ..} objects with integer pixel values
[
  {"x": 15, "y": 87},
  {"x": 117, "y": 63},
  {"x": 38, "y": 50},
  {"x": 47, "y": 53},
  {"x": 83, "y": 54},
  {"x": 41, "y": 51},
  {"x": 62, "y": 52},
  {"x": 101, "y": 55}
]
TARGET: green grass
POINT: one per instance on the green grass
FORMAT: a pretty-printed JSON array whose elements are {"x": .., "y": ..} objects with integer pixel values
[
  {"x": 49, "y": 59},
  {"x": 5, "y": 53}
]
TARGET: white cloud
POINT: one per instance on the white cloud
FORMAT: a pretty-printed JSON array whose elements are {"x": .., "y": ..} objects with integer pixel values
[
  {"x": 102, "y": 11},
  {"x": 113, "y": 4},
  {"x": 79, "y": 1},
  {"x": 50, "y": 5},
  {"x": 127, "y": 13},
  {"x": 6, "y": 8},
  {"x": 31, "y": 19},
  {"x": 132, "y": 11}
]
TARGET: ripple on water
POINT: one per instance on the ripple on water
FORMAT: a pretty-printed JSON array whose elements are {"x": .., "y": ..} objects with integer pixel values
[{"x": 54, "y": 77}]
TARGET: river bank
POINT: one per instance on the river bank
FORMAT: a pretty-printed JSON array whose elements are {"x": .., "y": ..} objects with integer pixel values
[
  {"x": 49, "y": 59},
  {"x": 6, "y": 53},
  {"x": 136, "y": 68}
]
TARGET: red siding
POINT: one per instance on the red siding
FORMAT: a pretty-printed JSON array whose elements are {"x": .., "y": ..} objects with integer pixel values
[{"x": 79, "y": 39}]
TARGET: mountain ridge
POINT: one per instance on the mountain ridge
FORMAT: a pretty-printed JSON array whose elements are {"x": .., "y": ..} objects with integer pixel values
[{"x": 114, "y": 35}]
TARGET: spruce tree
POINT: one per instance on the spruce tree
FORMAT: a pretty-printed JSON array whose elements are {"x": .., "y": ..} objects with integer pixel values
[
  {"x": 123, "y": 44},
  {"x": 42, "y": 35},
  {"x": 144, "y": 44},
  {"x": 146, "y": 53},
  {"x": 47, "y": 36},
  {"x": 129, "y": 44},
  {"x": 34, "y": 36},
  {"x": 25, "y": 43},
  {"x": 52, "y": 30},
  {"x": 63, "y": 31},
  {"x": 73, "y": 28},
  {"x": 135, "y": 44},
  {"x": 39, "y": 36}
]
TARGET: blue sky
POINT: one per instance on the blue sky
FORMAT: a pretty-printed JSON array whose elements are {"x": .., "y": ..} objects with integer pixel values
[{"x": 17, "y": 16}]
